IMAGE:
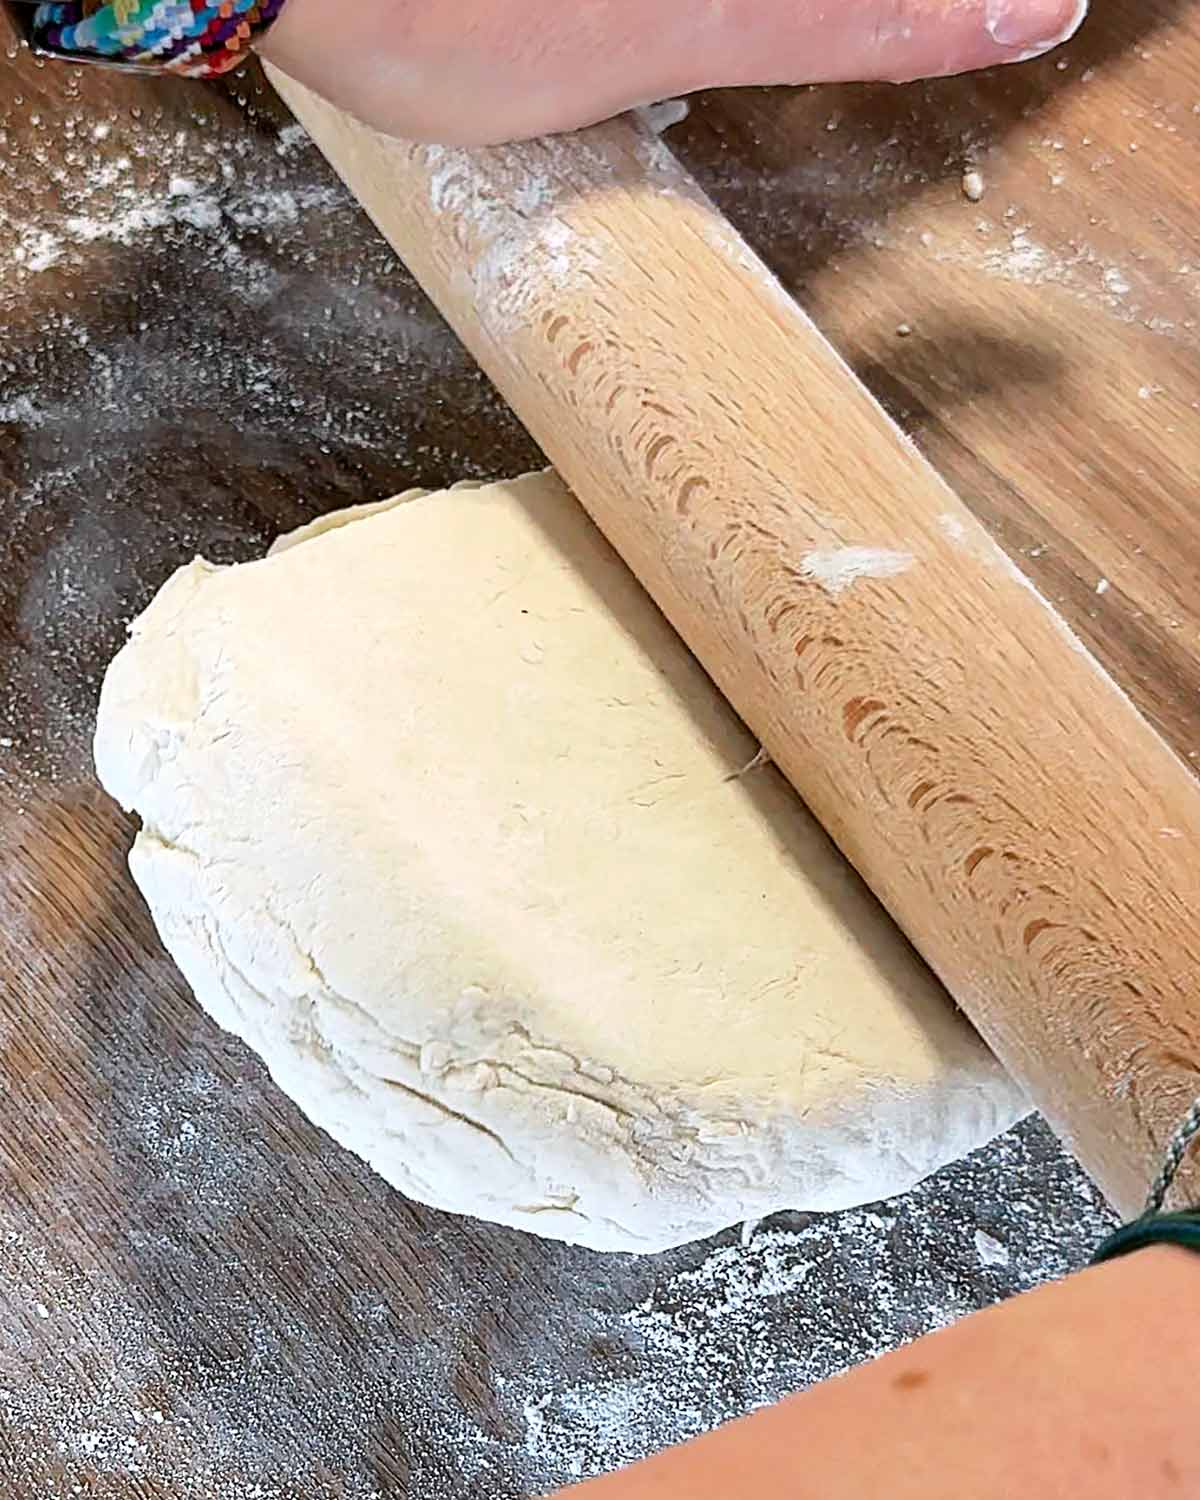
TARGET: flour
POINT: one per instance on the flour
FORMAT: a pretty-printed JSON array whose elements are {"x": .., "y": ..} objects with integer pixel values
[
  {"x": 35, "y": 250},
  {"x": 752, "y": 1323},
  {"x": 119, "y": 205},
  {"x": 989, "y": 1249},
  {"x": 22, "y": 412},
  {"x": 264, "y": 1334},
  {"x": 837, "y": 568},
  {"x": 97, "y": 1416},
  {"x": 952, "y": 526},
  {"x": 293, "y": 139},
  {"x": 665, "y": 115},
  {"x": 1023, "y": 260},
  {"x": 1115, "y": 281},
  {"x": 973, "y": 185},
  {"x": 860, "y": 200},
  {"x": 242, "y": 335},
  {"x": 526, "y": 252},
  {"x": 530, "y": 268},
  {"x": 1080, "y": 271}
]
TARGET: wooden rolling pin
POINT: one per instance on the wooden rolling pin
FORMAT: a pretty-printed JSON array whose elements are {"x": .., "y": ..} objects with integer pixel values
[{"x": 1018, "y": 817}]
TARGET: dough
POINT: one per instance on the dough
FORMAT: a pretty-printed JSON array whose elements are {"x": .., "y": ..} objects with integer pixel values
[{"x": 441, "y": 817}]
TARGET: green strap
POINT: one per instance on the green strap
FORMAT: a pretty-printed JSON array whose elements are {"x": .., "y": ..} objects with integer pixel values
[{"x": 1153, "y": 1229}]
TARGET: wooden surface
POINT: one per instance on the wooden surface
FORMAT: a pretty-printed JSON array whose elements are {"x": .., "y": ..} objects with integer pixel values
[
  {"x": 199, "y": 1294},
  {"x": 1037, "y": 849}
]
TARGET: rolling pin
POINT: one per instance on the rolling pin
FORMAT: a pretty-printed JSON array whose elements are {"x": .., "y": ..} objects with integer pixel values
[{"x": 1021, "y": 821}]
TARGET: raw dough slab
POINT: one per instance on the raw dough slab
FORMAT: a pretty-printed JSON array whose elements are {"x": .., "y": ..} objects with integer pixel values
[{"x": 441, "y": 817}]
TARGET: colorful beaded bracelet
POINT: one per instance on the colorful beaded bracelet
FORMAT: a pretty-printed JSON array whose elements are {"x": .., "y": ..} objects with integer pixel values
[{"x": 194, "y": 38}]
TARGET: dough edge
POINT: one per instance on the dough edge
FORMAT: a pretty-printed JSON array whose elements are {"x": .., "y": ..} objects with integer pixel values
[{"x": 433, "y": 1114}]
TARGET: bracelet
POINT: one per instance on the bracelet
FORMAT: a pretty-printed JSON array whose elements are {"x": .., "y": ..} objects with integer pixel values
[
  {"x": 192, "y": 38},
  {"x": 1152, "y": 1229},
  {"x": 1155, "y": 1227}
]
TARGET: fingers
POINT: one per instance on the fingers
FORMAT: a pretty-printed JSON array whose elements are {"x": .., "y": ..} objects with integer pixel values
[
  {"x": 782, "y": 41},
  {"x": 939, "y": 38},
  {"x": 487, "y": 70}
]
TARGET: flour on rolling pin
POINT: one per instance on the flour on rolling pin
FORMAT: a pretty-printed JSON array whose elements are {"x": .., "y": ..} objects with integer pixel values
[
  {"x": 666, "y": 113},
  {"x": 837, "y": 568},
  {"x": 527, "y": 249},
  {"x": 526, "y": 252}
]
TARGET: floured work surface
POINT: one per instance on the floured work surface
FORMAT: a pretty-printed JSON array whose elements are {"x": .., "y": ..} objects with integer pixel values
[{"x": 200, "y": 1294}]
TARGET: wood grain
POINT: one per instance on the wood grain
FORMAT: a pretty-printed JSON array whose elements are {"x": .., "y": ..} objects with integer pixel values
[
  {"x": 1036, "y": 846},
  {"x": 200, "y": 1252}
]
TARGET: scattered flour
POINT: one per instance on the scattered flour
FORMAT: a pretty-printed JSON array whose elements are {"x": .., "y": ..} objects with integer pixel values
[
  {"x": 526, "y": 253},
  {"x": 867, "y": 195},
  {"x": 308, "y": 1362},
  {"x": 1079, "y": 270},
  {"x": 22, "y": 412},
  {"x": 248, "y": 346},
  {"x": 952, "y": 526},
  {"x": 134, "y": 210},
  {"x": 292, "y": 139},
  {"x": 750, "y": 1323}
]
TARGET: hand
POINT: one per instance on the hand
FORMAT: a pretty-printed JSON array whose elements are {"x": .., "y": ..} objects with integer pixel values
[{"x": 468, "y": 71}]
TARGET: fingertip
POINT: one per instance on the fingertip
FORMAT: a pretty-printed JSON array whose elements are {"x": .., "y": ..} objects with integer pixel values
[
  {"x": 1031, "y": 28},
  {"x": 983, "y": 35}
]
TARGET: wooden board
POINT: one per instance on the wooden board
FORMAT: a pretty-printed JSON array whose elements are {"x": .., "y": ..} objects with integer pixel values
[{"x": 201, "y": 1293}]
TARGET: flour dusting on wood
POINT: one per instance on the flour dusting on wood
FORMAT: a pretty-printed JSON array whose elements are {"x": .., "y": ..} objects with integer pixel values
[
  {"x": 203, "y": 342},
  {"x": 608, "y": 1358}
]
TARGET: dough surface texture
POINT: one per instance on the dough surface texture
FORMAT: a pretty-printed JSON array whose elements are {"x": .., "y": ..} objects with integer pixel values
[{"x": 441, "y": 817}]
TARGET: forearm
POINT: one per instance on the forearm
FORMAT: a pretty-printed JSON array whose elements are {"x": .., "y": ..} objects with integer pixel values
[{"x": 1088, "y": 1387}]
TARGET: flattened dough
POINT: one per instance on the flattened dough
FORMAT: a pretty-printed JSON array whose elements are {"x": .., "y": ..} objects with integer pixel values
[{"x": 440, "y": 816}]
